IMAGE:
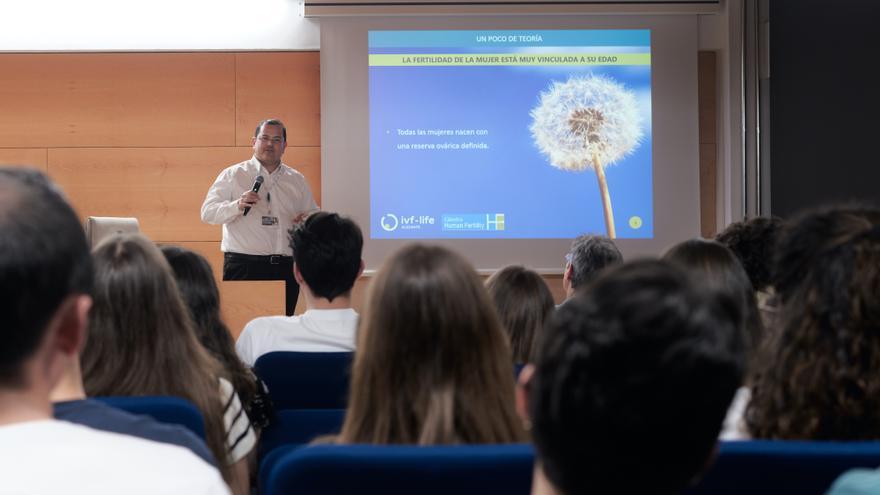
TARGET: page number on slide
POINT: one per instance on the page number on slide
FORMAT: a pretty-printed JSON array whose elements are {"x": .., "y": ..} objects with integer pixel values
[{"x": 635, "y": 222}]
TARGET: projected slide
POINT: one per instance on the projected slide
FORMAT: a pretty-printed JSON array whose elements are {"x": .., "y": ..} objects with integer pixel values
[{"x": 510, "y": 134}]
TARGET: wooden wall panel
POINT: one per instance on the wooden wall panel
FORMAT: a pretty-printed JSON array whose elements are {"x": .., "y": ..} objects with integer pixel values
[
  {"x": 145, "y": 135},
  {"x": 307, "y": 160},
  {"x": 162, "y": 187},
  {"x": 31, "y": 158},
  {"x": 104, "y": 100},
  {"x": 708, "y": 114},
  {"x": 283, "y": 85}
]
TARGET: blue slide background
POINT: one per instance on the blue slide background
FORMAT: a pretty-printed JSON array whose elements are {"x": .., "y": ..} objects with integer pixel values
[{"x": 511, "y": 177}]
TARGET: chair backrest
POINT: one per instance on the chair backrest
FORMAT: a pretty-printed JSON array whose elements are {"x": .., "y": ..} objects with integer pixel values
[
  {"x": 172, "y": 410},
  {"x": 775, "y": 466},
  {"x": 298, "y": 427},
  {"x": 99, "y": 228},
  {"x": 306, "y": 380},
  {"x": 391, "y": 470}
]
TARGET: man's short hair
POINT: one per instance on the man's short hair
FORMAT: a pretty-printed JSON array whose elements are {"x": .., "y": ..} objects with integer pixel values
[
  {"x": 589, "y": 255},
  {"x": 327, "y": 251},
  {"x": 44, "y": 258},
  {"x": 633, "y": 380},
  {"x": 271, "y": 122}
]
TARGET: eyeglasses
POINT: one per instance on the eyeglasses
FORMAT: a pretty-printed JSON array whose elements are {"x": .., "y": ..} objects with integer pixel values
[
  {"x": 274, "y": 140},
  {"x": 568, "y": 258}
]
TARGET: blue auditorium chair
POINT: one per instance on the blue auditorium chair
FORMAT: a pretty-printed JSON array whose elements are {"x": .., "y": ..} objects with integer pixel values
[
  {"x": 393, "y": 470},
  {"x": 173, "y": 410},
  {"x": 306, "y": 380},
  {"x": 760, "y": 467},
  {"x": 299, "y": 426}
]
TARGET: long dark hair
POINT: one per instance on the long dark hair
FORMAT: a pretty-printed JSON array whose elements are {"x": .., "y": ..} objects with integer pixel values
[
  {"x": 141, "y": 339},
  {"x": 524, "y": 302},
  {"x": 818, "y": 379},
  {"x": 199, "y": 291},
  {"x": 432, "y": 364}
]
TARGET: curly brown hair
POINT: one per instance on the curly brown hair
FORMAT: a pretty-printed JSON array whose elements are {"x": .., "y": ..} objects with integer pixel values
[{"x": 818, "y": 378}]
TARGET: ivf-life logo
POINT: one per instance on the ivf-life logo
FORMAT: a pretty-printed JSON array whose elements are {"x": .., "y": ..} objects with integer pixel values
[{"x": 389, "y": 222}]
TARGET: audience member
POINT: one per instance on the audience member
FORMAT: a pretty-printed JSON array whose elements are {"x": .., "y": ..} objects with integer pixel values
[
  {"x": 198, "y": 287},
  {"x": 326, "y": 263},
  {"x": 524, "y": 302},
  {"x": 588, "y": 256},
  {"x": 432, "y": 365},
  {"x": 631, "y": 383},
  {"x": 45, "y": 281},
  {"x": 857, "y": 481},
  {"x": 720, "y": 268},
  {"x": 142, "y": 342},
  {"x": 69, "y": 403},
  {"x": 753, "y": 242},
  {"x": 818, "y": 379}
]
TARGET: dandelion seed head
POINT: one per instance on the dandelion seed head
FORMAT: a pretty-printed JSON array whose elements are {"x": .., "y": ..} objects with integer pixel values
[{"x": 586, "y": 120}]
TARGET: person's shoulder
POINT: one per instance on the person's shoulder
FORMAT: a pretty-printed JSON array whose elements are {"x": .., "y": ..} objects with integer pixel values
[
  {"x": 292, "y": 172},
  {"x": 172, "y": 469},
  {"x": 269, "y": 323},
  {"x": 246, "y": 166},
  {"x": 858, "y": 481},
  {"x": 96, "y": 414}
]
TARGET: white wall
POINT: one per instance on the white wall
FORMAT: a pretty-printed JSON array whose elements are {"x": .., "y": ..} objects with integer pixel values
[{"x": 155, "y": 25}]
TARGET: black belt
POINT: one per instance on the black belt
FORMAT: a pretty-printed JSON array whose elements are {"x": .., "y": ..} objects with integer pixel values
[{"x": 272, "y": 259}]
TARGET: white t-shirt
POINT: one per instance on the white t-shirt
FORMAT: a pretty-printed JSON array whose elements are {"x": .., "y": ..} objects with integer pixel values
[
  {"x": 316, "y": 330},
  {"x": 49, "y": 456}
]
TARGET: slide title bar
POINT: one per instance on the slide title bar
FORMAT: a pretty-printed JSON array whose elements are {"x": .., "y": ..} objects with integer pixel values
[{"x": 560, "y": 37}]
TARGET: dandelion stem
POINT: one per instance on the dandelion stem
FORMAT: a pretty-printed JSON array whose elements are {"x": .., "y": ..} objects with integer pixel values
[{"x": 606, "y": 198}]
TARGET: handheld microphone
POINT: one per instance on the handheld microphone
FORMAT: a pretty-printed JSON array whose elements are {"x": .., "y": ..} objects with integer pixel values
[{"x": 257, "y": 183}]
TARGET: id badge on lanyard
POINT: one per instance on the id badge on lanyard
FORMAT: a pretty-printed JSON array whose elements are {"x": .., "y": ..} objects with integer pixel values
[{"x": 270, "y": 220}]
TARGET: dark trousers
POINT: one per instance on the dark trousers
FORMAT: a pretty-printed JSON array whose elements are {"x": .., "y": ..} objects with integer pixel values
[{"x": 237, "y": 266}]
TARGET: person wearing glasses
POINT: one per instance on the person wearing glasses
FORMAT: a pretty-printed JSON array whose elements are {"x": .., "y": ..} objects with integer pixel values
[{"x": 257, "y": 201}]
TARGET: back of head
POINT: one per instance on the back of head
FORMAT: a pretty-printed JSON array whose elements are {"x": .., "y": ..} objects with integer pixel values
[
  {"x": 819, "y": 378},
  {"x": 523, "y": 302},
  {"x": 721, "y": 269},
  {"x": 139, "y": 323},
  {"x": 633, "y": 379},
  {"x": 807, "y": 235},
  {"x": 141, "y": 337},
  {"x": 198, "y": 287},
  {"x": 590, "y": 254},
  {"x": 327, "y": 252},
  {"x": 753, "y": 242},
  {"x": 44, "y": 258},
  {"x": 432, "y": 365}
]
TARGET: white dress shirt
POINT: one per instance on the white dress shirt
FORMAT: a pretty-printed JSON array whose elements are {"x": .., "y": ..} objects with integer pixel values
[{"x": 290, "y": 196}]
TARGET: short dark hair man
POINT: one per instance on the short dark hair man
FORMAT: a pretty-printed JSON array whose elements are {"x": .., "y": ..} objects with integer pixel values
[
  {"x": 589, "y": 255},
  {"x": 255, "y": 223},
  {"x": 45, "y": 280},
  {"x": 632, "y": 382},
  {"x": 327, "y": 261}
]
